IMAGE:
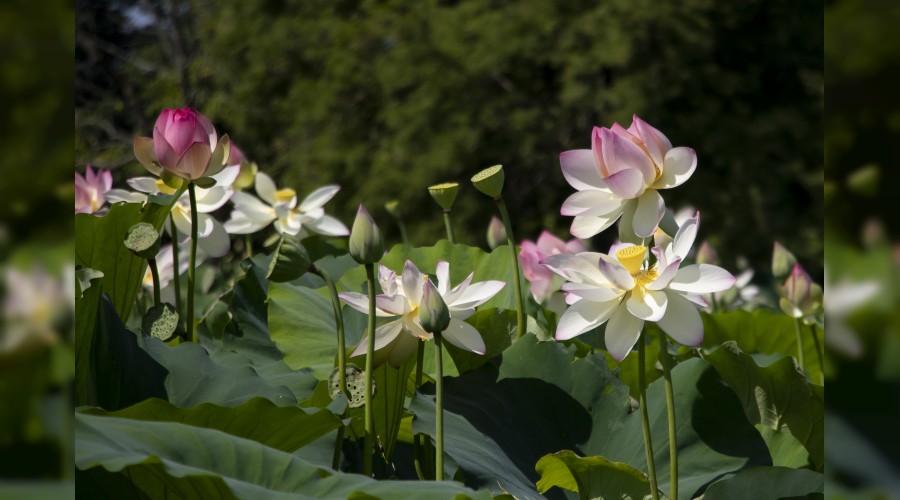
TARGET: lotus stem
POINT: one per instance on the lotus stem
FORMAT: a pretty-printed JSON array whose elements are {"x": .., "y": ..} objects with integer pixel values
[
  {"x": 645, "y": 419},
  {"x": 369, "y": 443},
  {"x": 511, "y": 242},
  {"x": 666, "y": 360},
  {"x": 799, "y": 344},
  {"x": 439, "y": 411},
  {"x": 338, "y": 443},
  {"x": 191, "y": 333},
  {"x": 342, "y": 353},
  {"x": 154, "y": 272},
  {"x": 176, "y": 266},
  {"x": 812, "y": 330},
  {"x": 417, "y": 438},
  {"x": 248, "y": 242},
  {"x": 449, "y": 227},
  {"x": 403, "y": 236}
]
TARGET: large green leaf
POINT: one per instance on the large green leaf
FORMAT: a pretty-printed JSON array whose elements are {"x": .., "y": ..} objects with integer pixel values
[
  {"x": 767, "y": 482},
  {"x": 98, "y": 245},
  {"x": 124, "y": 458},
  {"x": 778, "y": 396},
  {"x": 765, "y": 332},
  {"x": 591, "y": 477},
  {"x": 285, "y": 428}
]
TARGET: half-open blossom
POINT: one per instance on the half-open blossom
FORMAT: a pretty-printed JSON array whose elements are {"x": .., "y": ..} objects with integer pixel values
[
  {"x": 402, "y": 297},
  {"x": 90, "y": 190},
  {"x": 184, "y": 143},
  {"x": 620, "y": 176},
  {"x": 622, "y": 289},
  {"x": 801, "y": 298},
  {"x": 280, "y": 206},
  {"x": 533, "y": 253}
]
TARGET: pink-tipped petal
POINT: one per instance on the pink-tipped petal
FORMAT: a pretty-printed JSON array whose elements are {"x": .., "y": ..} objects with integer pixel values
[
  {"x": 702, "y": 278},
  {"x": 579, "y": 169},
  {"x": 678, "y": 167},
  {"x": 666, "y": 276},
  {"x": 684, "y": 238},
  {"x": 626, "y": 184},
  {"x": 682, "y": 321},
  {"x": 650, "y": 210},
  {"x": 586, "y": 203},
  {"x": 621, "y": 154},
  {"x": 591, "y": 292},
  {"x": 360, "y": 302},
  {"x": 656, "y": 143}
]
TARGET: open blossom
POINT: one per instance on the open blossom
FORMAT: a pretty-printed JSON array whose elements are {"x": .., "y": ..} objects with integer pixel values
[
  {"x": 396, "y": 340},
  {"x": 620, "y": 176},
  {"x": 90, "y": 190},
  {"x": 622, "y": 289},
  {"x": 280, "y": 206},
  {"x": 184, "y": 143},
  {"x": 533, "y": 253}
]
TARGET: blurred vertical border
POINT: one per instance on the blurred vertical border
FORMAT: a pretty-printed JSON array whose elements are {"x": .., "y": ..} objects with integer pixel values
[{"x": 36, "y": 271}]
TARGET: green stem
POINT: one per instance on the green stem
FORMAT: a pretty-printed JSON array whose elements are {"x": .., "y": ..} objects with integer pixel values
[
  {"x": 369, "y": 443},
  {"x": 511, "y": 242},
  {"x": 338, "y": 443},
  {"x": 176, "y": 267},
  {"x": 403, "y": 236},
  {"x": 439, "y": 411},
  {"x": 67, "y": 459},
  {"x": 342, "y": 352},
  {"x": 248, "y": 242},
  {"x": 812, "y": 330},
  {"x": 449, "y": 227},
  {"x": 645, "y": 419},
  {"x": 799, "y": 344},
  {"x": 666, "y": 360},
  {"x": 417, "y": 438},
  {"x": 154, "y": 272},
  {"x": 191, "y": 334}
]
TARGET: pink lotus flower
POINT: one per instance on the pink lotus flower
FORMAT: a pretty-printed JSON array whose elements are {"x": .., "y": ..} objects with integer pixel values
[
  {"x": 620, "y": 177},
  {"x": 532, "y": 254},
  {"x": 184, "y": 143},
  {"x": 90, "y": 190}
]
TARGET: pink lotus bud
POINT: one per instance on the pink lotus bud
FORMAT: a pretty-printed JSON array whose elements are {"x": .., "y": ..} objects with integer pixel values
[
  {"x": 538, "y": 275},
  {"x": 185, "y": 143},
  {"x": 800, "y": 296},
  {"x": 236, "y": 156},
  {"x": 496, "y": 233}
]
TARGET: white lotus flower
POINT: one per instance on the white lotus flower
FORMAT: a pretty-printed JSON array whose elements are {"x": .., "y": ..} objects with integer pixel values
[
  {"x": 623, "y": 290},
  {"x": 280, "y": 206},
  {"x": 165, "y": 264},
  {"x": 402, "y": 295},
  {"x": 211, "y": 235}
]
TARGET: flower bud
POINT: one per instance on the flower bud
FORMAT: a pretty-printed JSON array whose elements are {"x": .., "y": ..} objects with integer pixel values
[
  {"x": 246, "y": 177},
  {"x": 444, "y": 194},
  {"x": 706, "y": 254},
  {"x": 800, "y": 297},
  {"x": 184, "y": 143},
  {"x": 289, "y": 260},
  {"x": 433, "y": 312},
  {"x": 783, "y": 261},
  {"x": 393, "y": 208},
  {"x": 143, "y": 240},
  {"x": 496, "y": 233},
  {"x": 490, "y": 181},
  {"x": 366, "y": 243},
  {"x": 160, "y": 321}
]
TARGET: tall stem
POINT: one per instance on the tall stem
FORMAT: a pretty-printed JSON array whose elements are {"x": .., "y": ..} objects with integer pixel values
[
  {"x": 403, "y": 236},
  {"x": 799, "y": 344},
  {"x": 449, "y": 227},
  {"x": 338, "y": 443},
  {"x": 154, "y": 272},
  {"x": 666, "y": 360},
  {"x": 511, "y": 242},
  {"x": 812, "y": 331},
  {"x": 369, "y": 443},
  {"x": 248, "y": 242},
  {"x": 176, "y": 266},
  {"x": 439, "y": 411},
  {"x": 645, "y": 419},
  {"x": 417, "y": 438},
  {"x": 342, "y": 353},
  {"x": 191, "y": 334}
]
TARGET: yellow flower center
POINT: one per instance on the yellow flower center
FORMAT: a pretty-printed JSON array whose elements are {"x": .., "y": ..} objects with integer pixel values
[
  {"x": 285, "y": 195},
  {"x": 164, "y": 188},
  {"x": 632, "y": 258}
]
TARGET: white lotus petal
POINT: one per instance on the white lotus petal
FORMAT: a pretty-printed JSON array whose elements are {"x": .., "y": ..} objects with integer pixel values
[
  {"x": 650, "y": 210},
  {"x": 702, "y": 278},
  {"x": 144, "y": 184},
  {"x": 360, "y": 302},
  {"x": 590, "y": 202},
  {"x": 584, "y": 316},
  {"x": 413, "y": 282},
  {"x": 329, "y": 226},
  {"x": 476, "y": 294},
  {"x": 613, "y": 271},
  {"x": 622, "y": 332},
  {"x": 464, "y": 336},
  {"x": 592, "y": 292},
  {"x": 216, "y": 243},
  {"x": 384, "y": 335},
  {"x": 650, "y": 306},
  {"x": 212, "y": 199},
  {"x": 319, "y": 197},
  {"x": 442, "y": 271},
  {"x": 682, "y": 321},
  {"x": 265, "y": 188},
  {"x": 588, "y": 226},
  {"x": 665, "y": 277}
]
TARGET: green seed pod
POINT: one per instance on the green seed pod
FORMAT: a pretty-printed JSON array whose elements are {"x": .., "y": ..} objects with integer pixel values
[
  {"x": 444, "y": 194},
  {"x": 290, "y": 260},
  {"x": 490, "y": 181},
  {"x": 366, "y": 243},
  {"x": 160, "y": 321},
  {"x": 433, "y": 312},
  {"x": 143, "y": 240},
  {"x": 356, "y": 385}
]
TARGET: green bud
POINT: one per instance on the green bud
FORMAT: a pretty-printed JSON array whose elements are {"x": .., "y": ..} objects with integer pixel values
[
  {"x": 160, "y": 321},
  {"x": 366, "y": 242},
  {"x": 143, "y": 240},
  {"x": 246, "y": 177},
  {"x": 783, "y": 262},
  {"x": 433, "y": 312},
  {"x": 865, "y": 180},
  {"x": 444, "y": 194},
  {"x": 496, "y": 233},
  {"x": 800, "y": 297},
  {"x": 490, "y": 181},
  {"x": 289, "y": 260},
  {"x": 393, "y": 208}
]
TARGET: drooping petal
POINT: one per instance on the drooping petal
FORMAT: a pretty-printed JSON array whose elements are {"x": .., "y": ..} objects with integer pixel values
[
  {"x": 592, "y": 292},
  {"x": 622, "y": 332},
  {"x": 579, "y": 169},
  {"x": 319, "y": 197},
  {"x": 650, "y": 210},
  {"x": 329, "y": 226},
  {"x": 682, "y": 321},
  {"x": 649, "y": 306},
  {"x": 384, "y": 335},
  {"x": 182, "y": 219},
  {"x": 584, "y": 316},
  {"x": 205, "y": 224},
  {"x": 290, "y": 224},
  {"x": 589, "y": 226},
  {"x": 678, "y": 167},
  {"x": 412, "y": 283},
  {"x": 476, "y": 294},
  {"x": 360, "y": 302},
  {"x": 626, "y": 184},
  {"x": 265, "y": 188},
  {"x": 216, "y": 243},
  {"x": 464, "y": 336},
  {"x": 590, "y": 202},
  {"x": 613, "y": 271},
  {"x": 702, "y": 278}
]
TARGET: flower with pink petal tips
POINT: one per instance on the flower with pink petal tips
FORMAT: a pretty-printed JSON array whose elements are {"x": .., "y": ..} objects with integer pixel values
[
  {"x": 620, "y": 177},
  {"x": 398, "y": 339},
  {"x": 184, "y": 143},
  {"x": 90, "y": 190},
  {"x": 533, "y": 253},
  {"x": 624, "y": 291}
]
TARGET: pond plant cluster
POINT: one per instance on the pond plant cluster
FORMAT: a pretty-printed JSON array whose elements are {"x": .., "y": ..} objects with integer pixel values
[{"x": 223, "y": 360}]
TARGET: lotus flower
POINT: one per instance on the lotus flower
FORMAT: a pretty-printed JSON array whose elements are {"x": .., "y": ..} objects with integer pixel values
[
  {"x": 166, "y": 266},
  {"x": 622, "y": 289},
  {"x": 90, "y": 190},
  {"x": 396, "y": 340},
  {"x": 620, "y": 176},
  {"x": 184, "y": 143},
  {"x": 533, "y": 253}
]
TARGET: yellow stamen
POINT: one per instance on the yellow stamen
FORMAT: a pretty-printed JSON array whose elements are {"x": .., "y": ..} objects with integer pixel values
[
  {"x": 285, "y": 195},
  {"x": 164, "y": 188},
  {"x": 632, "y": 258}
]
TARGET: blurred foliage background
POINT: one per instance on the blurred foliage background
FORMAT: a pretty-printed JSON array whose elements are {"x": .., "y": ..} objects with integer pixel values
[{"x": 386, "y": 98}]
